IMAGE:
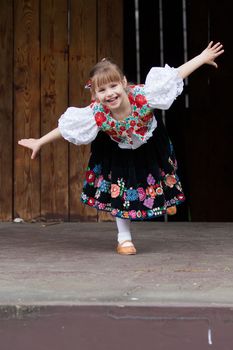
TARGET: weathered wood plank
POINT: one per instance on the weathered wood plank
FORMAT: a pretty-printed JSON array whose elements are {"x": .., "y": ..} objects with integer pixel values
[
  {"x": 110, "y": 30},
  {"x": 6, "y": 109},
  {"x": 26, "y": 106},
  {"x": 110, "y": 43},
  {"x": 82, "y": 57},
  {"x": 54, "y": 100}
]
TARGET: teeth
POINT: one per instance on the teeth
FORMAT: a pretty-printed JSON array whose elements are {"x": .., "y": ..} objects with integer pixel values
[{"x": 112, "y": 99}]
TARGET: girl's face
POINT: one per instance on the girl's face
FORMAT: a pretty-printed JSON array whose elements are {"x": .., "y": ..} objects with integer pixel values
[{"x": 112, "y": 95}]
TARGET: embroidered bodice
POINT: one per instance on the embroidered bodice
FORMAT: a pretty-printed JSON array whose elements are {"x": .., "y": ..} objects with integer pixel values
[
  {"x": 162, "y": 86},
  {"x": 131, "y": 130}
]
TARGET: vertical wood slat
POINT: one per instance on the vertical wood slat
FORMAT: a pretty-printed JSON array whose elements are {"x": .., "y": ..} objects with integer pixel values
[
  {"x": 6, "y": 109},
  {"x": 129, "y": 41},
  {"x": 54, "y": 100},
  {"x": 149, "y": 37},
  {"x": 220, "y": 121},
  {"x": 197, "y": 127},
  {"x": 110, "y": 30},
  {"x": 173, "y": 44},
  {"x": 82, "y": 57},
  {"x": 41, "y": 90},
  {"x": 26, "y": 106},
  {"x": 110, "y": 43}
]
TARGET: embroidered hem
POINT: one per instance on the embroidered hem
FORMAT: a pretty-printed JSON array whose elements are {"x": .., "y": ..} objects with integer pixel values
[{"x": 131, "y": 214}]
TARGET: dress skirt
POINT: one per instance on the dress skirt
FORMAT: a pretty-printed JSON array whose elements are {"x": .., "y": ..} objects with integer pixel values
[{"x": 133, "y": 184}]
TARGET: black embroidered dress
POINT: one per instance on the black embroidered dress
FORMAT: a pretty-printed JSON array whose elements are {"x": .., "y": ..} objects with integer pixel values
[{"x": 132, "y": 167}]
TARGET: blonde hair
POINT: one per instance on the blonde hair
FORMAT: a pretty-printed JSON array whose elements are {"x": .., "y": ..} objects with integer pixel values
[{"x": 104, "y": 72}]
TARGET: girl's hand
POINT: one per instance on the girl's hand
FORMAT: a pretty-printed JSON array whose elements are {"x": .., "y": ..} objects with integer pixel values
[
  {"x": 33, "y": 144},
  {"x": 211, "y": 53}
]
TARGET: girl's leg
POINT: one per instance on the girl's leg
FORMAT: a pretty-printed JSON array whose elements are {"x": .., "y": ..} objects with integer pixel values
[
  {"x": 125, "y": 245},
  {"x": 124, "y": 234}
]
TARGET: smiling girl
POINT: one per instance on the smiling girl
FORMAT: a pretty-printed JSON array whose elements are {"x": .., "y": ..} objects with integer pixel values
[{"x": 132, "y": 167}]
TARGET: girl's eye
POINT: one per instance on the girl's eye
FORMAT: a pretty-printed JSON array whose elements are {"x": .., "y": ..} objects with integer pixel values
[{"x": 113, "y": 85}]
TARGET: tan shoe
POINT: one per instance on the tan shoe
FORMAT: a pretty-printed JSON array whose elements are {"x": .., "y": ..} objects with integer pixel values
[{"x": 127, "y": 250}]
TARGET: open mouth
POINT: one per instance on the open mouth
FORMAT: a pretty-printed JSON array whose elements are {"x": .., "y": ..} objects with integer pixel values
[{"x": 112, "y": 100}]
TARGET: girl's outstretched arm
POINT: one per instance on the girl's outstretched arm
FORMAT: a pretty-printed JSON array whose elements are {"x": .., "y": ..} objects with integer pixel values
[
  {"x": 36, "y": 144},
  {"x": 207, "y": 56}
]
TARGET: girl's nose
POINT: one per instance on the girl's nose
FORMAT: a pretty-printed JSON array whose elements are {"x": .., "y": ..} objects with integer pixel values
[{"x": 108, "y": 92}]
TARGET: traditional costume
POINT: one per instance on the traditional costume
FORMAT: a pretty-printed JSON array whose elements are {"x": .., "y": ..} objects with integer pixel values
[{"x": 132, "y": 167}]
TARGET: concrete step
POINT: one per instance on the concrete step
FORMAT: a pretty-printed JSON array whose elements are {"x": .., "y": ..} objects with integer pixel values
[{"x": 63, "y": 286}]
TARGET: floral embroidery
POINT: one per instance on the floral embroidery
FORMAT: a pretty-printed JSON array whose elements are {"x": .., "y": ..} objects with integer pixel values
[
  {"x": 125, "y": 215},
  {"x": 115, "y": 191},
  {"x": 105, "y": 186},
  {"x": 178, "y": 187},
  {"x": 84, "y": 197},
  {"x": 151, "y": 192},
  {"x": 91, "y": 202},
  {"x": 97, "y": 194},
  {"x": 121, "y": 184},
  {"x": 173, "y": 163},
  {"x": 150, "y": 180},
  {"x": 150, "y": 213},
  {"x": 100, "y": 118},
  {"x": 170, "y": 180},
  {"x": 101, "y": 206},
  {"x": 90, "y": 176},
  {"x": 141, "y": 194},
  {"x": 159, "y": 191},
  {"x": 98, "y": 181},
  {"x": 138, "y": 123},
  {"x": 137, "y": 203},
  {"x": 97, "y": 169},
  {"x": 144, "y": 214},
  {"x": 148, "y": 202},
  {"x": 131, "y": 195},
  {"x": 140, "y": 100},
  {"x": 180, "y": 197},
  {"x": 115, "y": 211},
  {"x": 126, "y": 204},
  {"x": 133, "y": 214}
]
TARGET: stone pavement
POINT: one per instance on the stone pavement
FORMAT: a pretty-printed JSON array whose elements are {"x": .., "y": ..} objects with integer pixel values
[{"x": 178, "y": 264}]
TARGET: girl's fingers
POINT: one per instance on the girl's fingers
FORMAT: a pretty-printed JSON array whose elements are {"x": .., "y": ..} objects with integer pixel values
[
  {"x": 21, "y": 142},
  {"x": 217, "y": 47},
  {"x": 219, "y": 53}
]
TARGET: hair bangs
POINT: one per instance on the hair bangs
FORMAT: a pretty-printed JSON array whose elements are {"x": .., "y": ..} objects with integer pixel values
[{"x": 106, "y": 76}]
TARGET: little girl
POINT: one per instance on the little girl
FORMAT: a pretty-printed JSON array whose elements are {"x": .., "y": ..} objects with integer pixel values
[{"x": 132, "y": 167}]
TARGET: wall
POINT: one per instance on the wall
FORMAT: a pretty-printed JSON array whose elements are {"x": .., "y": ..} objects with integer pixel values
[
  {"x": 200, "y": 121},
  {"x": 48, "y": 48}
]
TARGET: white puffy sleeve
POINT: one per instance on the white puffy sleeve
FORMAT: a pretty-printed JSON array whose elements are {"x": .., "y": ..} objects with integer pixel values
[
  {"x": 77, "y": 125},
  {"x": 162, "y": 86}
]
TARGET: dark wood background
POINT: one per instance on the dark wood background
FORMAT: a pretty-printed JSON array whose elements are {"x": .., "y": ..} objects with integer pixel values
[
  {"x": 201, "y": 133},
  {"x": 47, "y": 49}
]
